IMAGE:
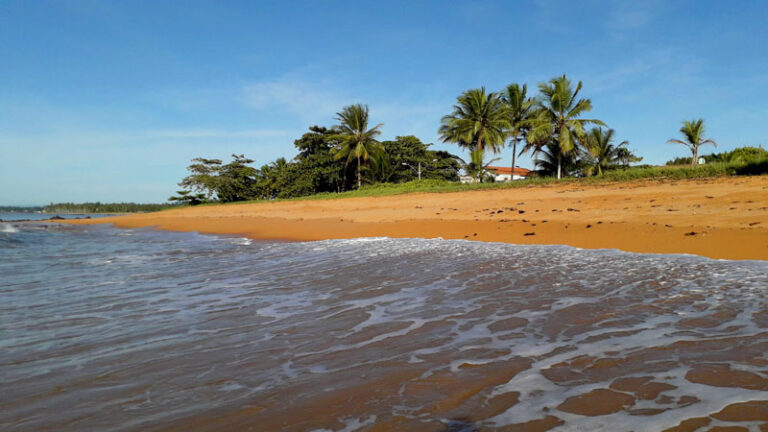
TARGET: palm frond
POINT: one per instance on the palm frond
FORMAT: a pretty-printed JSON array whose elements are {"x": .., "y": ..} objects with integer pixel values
[{"x": 478, "y": 119}]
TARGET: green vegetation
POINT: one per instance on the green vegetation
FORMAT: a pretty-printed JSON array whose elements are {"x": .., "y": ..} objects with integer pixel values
[
  {"x": 348, "y": 160},
  {"x": 16, "y": 209},
  {"x": 650, "y": 173},
  {"x": 519, "y": 111},
  {"x": 558, "y": 125},
  {"x": 602, "y": 155},
  {"x": 478, "y": 120},
  {"x": 209, "y": 177},
  {"x": 97, "y": 207},
  {"x": 357, "y": 141},
  {"x": 477, "y": 168},
  {"x": 407, "y": 159},
  {"x": 551, "y": 125},
  {"x": 753, "y": 155},
  {"x": 187, "y": 197},
  {"x": 693, "y": 131},
  {"x": 317, "y": 168}
]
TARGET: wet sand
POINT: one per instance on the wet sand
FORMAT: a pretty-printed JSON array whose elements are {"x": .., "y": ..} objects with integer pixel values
[{"x": 725, "y": 218}]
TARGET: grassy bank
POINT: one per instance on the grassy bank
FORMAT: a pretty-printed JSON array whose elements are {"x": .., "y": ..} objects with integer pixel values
[
  {"x": 108, "y": 208},
  {"x": 631, "y": 174}
]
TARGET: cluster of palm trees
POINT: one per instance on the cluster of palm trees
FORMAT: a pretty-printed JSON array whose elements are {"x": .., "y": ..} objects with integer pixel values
[{"x": 550, "y": 125}]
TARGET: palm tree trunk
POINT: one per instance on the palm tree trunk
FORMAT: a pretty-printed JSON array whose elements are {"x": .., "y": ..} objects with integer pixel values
[
  {"x": 514, "y": 153},
  {"x": 359, "y": 183},
  {"x": 559, "y": 160},
  {"x": 695, "y": 157},
  {"x": 480, "y": 143}
]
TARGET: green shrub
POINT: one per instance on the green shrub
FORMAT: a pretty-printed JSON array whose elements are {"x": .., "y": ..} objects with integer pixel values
[{"x": 750, "y": 168}]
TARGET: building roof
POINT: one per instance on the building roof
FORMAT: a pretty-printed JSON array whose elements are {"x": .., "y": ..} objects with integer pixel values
[{"x": 508, "y": 170}]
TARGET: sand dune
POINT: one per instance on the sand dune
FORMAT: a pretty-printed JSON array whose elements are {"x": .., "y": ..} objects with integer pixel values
[{"x": 719, "y": 218}]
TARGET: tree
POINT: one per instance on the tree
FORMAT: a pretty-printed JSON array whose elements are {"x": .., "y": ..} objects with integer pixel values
[
  {"x": 407, "y": 155},
  {"x": 547, "y": 160},
  {"x": 318, "y": 170},
  {"x": 236, "y": 180},
  {"x": 382, "y": 169},
  {"x": 693, "y": 132},
  {"x": 231, "y": 182},
  {"x": 272, "y": 178},
  {"x": 519, "y": 110},
  {"x": 601, "y": 153},
  {"x": 558, "y": 116},
  {"x": 204, "y": 176},
  {"x": 680, "y": 161},
  {"x": 476, "y": 167},
  {"x": 478, "y": 120},
  {"x": 357, "y": 141},
  {"x": 625, "y": 157},
  {"x": 185, "y": 197},
  {"x": 405, "y": 152},
  {"x": 739, "y": 155},
  {"x": 443, "y": 166}
]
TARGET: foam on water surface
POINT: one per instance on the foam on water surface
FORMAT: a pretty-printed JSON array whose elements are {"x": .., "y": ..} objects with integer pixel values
[
  {"x": 157, "y": 330},
  {"x": 7, "y": 228}
]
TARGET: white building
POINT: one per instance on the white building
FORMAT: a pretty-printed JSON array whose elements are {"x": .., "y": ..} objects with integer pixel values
[{"x": 502, "y": 174}]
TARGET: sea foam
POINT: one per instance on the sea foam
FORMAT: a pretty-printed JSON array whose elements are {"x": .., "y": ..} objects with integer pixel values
[{"x": 409, "y": 333}]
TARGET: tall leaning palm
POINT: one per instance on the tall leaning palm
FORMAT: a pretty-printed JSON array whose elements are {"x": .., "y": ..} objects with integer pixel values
[
  {"x": 693, "y": 131},
  {"x": 559, "y": 112},
  {"x": 520, "y": 110},
  {"x": 478, "y": 120},
  {"x": 602, "y": 153},
  {"x": 357, "y": 141}
]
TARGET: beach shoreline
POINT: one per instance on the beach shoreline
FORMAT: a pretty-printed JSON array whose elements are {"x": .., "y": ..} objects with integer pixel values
[{"x": 722, "y": 218}]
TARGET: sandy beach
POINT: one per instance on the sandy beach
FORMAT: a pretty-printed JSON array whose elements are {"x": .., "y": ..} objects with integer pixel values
[{"x": 725, "y": 218}]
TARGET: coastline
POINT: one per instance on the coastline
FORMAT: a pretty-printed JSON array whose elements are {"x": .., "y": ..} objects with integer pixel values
[{"x": 722, "y": 218}]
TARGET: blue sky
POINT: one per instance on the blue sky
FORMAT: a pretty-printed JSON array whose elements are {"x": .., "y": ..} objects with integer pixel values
[{"x": 107, "y": 100}]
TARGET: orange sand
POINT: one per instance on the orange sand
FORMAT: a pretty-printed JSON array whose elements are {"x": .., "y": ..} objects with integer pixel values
[{"x": 718, "y": 218}]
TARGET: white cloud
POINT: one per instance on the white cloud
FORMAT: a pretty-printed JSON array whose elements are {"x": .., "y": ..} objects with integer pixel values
[
  {"x": 310, "y": 102},
  {"x": 652, "y": 70},
  {"x": 316, "y": 102}
]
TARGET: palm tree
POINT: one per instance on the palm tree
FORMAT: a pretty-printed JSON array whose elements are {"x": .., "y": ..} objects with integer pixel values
[
  {"x": 547, "y": 159},
  {"x": 478, "y": 120},
  {"x": 357, "y": 141},
  {"x": 625, "y": 157},
  {"x": 520, "y": 109},
  {"x": 269, "y": 177},
  {"x": 693, "y": 131},
  {"x": 601, "y": 153},
  {"x": 382, "y": 169},
  {"x": 558, "y": 115},
  {"x": 476, "y": 167}
]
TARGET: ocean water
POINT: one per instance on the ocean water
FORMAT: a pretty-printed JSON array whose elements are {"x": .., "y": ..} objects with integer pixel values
[{"x": 137, "y": 330}]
